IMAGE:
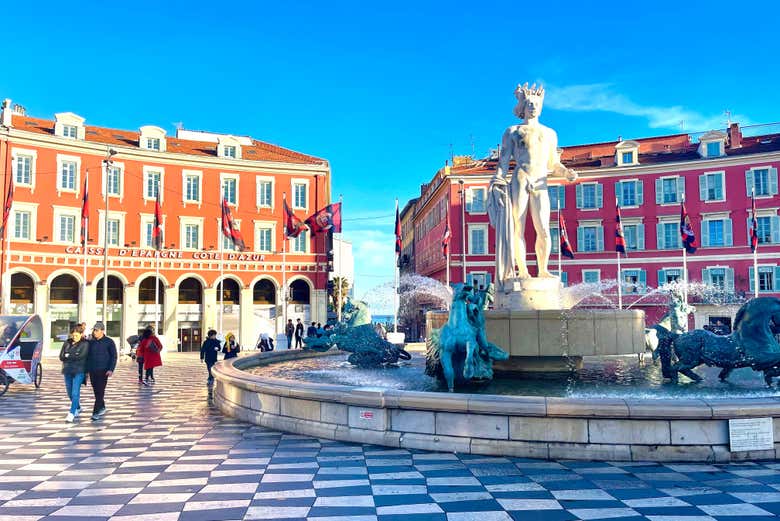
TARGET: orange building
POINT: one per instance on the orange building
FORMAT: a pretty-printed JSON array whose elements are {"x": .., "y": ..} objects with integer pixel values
[{"x": 44, "y": 264}]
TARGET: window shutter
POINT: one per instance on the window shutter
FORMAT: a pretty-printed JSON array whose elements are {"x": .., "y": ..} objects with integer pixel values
[
  {"x": 661, "y": 277},
  {"x": 776, "y": 278},
  {"x": 640, "y": 236},
  {"x": 730, "y": 279},
  {"x": 751, "y": 277},
  {"x": 749, "y": 225},
  {"x": 640, "y": 196},
  {"x": 728, "y": 235},
  {"x": 773, "y": 181},
  {"x": 659, "y": 236},
  {"x": 720, "y": 189},
  {"x": 600, "y": 239},
  {"x": 703, "y": 187},
  {"x": 705, "y": 234},
  {"x": 659, "y": 191},
  {"x": 599, "y": 195},
  {"x": 680, "y": 187},
  {"x": 562, "y": 197},
  {"x": 469, "y": 199},
  {"x": 642, "y": 281},
  {"x": 565, "y": 278},
  {"x": 775, "y": 227},
  {"x": 705, "y": 276},
  {"x": 749, "y": 182},
  {"x": 580, "y": 240},
  {"x": 619, "y": 192},
  {"x": 578, "y": 189}
]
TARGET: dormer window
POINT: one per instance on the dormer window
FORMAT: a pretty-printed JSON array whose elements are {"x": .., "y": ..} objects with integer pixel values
[
  {"x": 229, "y": 146},
  {"x": 627, "y": 153},
  {"x": 712, "y": 144},
  {"x": 152, "y": 138},
  {"x": 69, "y": 125}
]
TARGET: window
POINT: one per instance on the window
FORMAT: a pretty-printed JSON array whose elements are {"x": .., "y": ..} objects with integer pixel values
[
  {"x": 713, "y": 149},
  {"x": 230, "y": 190},
  {"x": 299, "y": 195},
  {"x": 668, "y": 235},
  {"x": 768, "y": 229},
  {"x": 230, "y": 151},
  {"x": 70, "y": 131},
  {"x": 721, "y": 278},
  {"x": 66, "y": 228},
  {"x": 264, "y": 191},
  {"x": 148, "y": 234},
  {"x": 22, "y": 222},
  {"x": 113, "y": 232},
  {"x": 264, "y": 239},
  {"x": 557, "y": 197},
  {"x": 629, "y": 193},
  {"x": 628, "y": 158},
  {"x": 718, "y": 279},
  {"x": 555, "y": 239},
  {"x": 591, "y": 276},
  {"x": 589, "y": 195},
  {"x": 227, "y": 242},
  {"x": 152, "y": 184},
  {"x": 590, "y": 237},
  {"x": 477, "y": 239},
  {"x": 631, "y": 233},
  {"x": 114, "y": 181},
  {"x": 192, "y": 188},
  {"x": 763, "y": 180},
  {"x": 767, "y": 278},
  {"x": 23, "y": 170},
  {"x": 191, "y": 236},
  {"x": 669, "y": 190},
  {"x": 711, "y": 187},
  {"x": 478, "y": 279},
  {"x": 716, "y": 232},
  {"x": 634, "y": 281},
  {"x": 669, "y": 275},
  {"x": 300, "y": 243},
  {"x": 626, "y": 153},
  {"x": 475, "y": 200},
  {"x": 153, "y": 143},
  {"x": 67, "y": 177}
]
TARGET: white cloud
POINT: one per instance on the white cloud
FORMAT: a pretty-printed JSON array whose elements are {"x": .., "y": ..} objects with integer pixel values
[{"x": 603, "y": 97}]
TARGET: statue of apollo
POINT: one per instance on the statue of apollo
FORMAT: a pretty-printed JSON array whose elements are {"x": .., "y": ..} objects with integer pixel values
[{"x": 533, "y": 147}]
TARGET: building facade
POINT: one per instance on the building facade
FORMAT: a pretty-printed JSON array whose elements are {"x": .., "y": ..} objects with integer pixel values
[
  {"x": 202, "y": 281},
  {"x": 716, "y": 172}
]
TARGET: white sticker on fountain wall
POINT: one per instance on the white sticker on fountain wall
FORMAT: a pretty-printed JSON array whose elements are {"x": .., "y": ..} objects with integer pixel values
[
  {"x": 366, "y": 415},
  {"x": 751, "y": 434}
]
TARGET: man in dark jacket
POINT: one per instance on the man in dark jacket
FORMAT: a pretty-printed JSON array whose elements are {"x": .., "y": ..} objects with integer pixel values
[
  {"x": 311, "y": 330},
  {"x": 299, "y": 334},
  {"x": 101, "y": 363},
  {"x": 289, "y": 331},
  {"x": 209, "y": 351}
]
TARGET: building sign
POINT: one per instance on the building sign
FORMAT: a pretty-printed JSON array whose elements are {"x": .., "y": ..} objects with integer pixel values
[
  {"x": 751, "y": 434},
  {"x": 168, "y": 254}
]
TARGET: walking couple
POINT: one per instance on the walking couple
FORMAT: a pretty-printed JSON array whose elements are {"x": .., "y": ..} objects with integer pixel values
[{"x": 96, "y": 357}]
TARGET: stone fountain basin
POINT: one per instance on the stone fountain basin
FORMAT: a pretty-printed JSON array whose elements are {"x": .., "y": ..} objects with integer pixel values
[{"x": 520, "y": 426}]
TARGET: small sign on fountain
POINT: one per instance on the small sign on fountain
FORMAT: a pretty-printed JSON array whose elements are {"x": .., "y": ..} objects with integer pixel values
[{"x": 749, "y": 434}]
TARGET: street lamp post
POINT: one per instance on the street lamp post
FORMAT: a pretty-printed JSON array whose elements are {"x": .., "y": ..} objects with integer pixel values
[{"x": 108, "y": 162}]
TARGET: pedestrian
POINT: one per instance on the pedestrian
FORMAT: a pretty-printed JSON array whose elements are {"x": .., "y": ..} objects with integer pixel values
[
  {"x": 231, "y": 348},
  {"x": 149, "y": 352},
  {"x": 320, "y": 331},
  {"x": 209, "y": 351},
  {"x": 289, "y": 331},
  {"x": 299, "y": 334},
  {"x": 101, "y": 363},
  {"x": 312, "y": 330},
  {"x": 73, "y": 356}
]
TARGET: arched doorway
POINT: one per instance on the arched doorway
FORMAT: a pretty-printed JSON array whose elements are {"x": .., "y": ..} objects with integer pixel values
[
  {"x": 265, "y": 311},
  {"x": 63, "y": 307},
  {"x": 151, "y": 304},
  {"x": 229, "y": 297},
  {"x": 22, "y": 294},
  {"x": 300, "y": 301},
  {"x": 115, "y": 298},
  {"x": 189, "y": 314}
]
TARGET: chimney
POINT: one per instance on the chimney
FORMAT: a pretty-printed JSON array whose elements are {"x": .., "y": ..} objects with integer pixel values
[
  {"x": 735, "y": 136},
  {"x": 5, "y": 118}
]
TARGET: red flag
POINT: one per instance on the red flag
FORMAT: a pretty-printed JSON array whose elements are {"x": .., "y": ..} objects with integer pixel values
[
  {"x": 566, "y": 250},
  {"x": 84, "y": 215},
  {"x": 327, "y": 219},
  {"x": 292, "y": 225},
  {"x": 9, "y": 201},
  {"x": 620, "y": 240},
  {"x": 445, "y": 240},
  {"x": 397, "y": 230},
  {"x": 157, "y": 231},
  {"x": 753, "y": 225},
  {"x": 686, "y": 230},
  {"x": 229, "y": 228}
]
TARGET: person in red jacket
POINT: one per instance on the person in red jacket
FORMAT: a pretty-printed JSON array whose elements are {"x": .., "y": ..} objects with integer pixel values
[{"x": 149, "y": 350}]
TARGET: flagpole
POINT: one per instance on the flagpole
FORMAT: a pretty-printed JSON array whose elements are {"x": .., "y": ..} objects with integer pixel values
[
  {"x": 284, "y": 274},
  {"x": 339, "y": 304},
  {"x": 558, "y": 216},
  {"x": 755, "y": 250},
  {"x": 221, "y": 286},
  {"x": 395, "y": 293},
  {"x": 619, "y": 269},
  {"x": 157, "y": 311},
  {"x": 84, "y": 252},
  {"x": 7, "y": 274},
  {"x": 685, "y": 265}
]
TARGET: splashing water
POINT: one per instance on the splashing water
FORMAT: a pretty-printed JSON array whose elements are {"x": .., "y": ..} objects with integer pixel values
[{"x": 415, "y": 291}]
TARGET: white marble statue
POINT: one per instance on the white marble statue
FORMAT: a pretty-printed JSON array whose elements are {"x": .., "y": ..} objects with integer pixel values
[{"x": 533, "y": 147}]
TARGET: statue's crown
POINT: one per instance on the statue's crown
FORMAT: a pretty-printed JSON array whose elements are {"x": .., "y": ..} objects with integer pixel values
[{"x": 523, "y": 91}]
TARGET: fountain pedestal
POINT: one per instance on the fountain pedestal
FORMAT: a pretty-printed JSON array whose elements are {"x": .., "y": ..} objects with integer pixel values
[{"x": 531, "y": 293}]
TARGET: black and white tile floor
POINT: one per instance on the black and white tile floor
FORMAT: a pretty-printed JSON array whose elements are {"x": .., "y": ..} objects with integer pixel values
[{"x": 163, "y": 453}]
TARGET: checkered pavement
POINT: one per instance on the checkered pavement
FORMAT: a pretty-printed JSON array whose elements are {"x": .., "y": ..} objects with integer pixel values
[{"x": 164, "y": 453}]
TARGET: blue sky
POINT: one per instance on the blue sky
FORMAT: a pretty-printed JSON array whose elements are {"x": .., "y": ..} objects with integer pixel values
[{"x": 383, "y": 90}]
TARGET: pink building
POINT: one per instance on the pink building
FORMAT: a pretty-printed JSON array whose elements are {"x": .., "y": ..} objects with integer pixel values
[{"x": 715, "y": 172}]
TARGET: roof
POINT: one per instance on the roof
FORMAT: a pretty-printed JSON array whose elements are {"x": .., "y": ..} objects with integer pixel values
[{"x": 258, "y": 151}]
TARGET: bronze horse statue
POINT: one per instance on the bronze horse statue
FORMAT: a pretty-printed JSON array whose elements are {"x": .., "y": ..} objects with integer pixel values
[{"x": 751, "y": 344}]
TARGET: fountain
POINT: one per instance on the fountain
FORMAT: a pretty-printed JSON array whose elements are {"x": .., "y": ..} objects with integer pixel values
[{"x": 610, "y": 408}]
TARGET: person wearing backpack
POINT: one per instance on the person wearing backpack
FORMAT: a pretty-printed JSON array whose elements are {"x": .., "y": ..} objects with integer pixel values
[
  {"x": 73, "y": 356},
  {"x": 149, "y": 351}
]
